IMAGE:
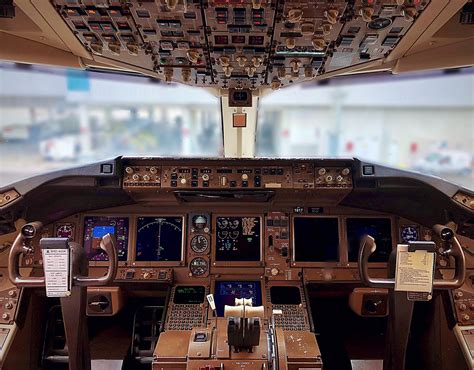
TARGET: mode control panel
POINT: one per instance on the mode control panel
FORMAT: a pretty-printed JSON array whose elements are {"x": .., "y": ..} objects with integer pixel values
[{"x": 284, "y": 175}]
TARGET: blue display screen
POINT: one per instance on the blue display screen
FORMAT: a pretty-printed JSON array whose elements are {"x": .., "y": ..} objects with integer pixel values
[
  {"x": 225, "y": 293},
  {"x": 100, "y": 231}
]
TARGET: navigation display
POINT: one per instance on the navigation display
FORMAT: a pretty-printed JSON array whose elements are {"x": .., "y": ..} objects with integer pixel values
[
  {"x": 159, "y": 238},
  {"x": 285, "y": 295},
  {"x": 225, "y": 293},
  {"x": 189, "y": 294},
  {"x": 238, "y": 239},
  {"x": 378, "y": 228},
  {"x": 316, "y": 239},
  {"x": 95, "y": 227}
]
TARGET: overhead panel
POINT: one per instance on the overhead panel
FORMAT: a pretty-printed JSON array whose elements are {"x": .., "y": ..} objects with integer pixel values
[{"x": 240, "y": 44}]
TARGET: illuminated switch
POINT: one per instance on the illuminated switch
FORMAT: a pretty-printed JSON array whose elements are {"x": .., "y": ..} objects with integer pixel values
[
  {"x": 107, "y": 26},
  {"x": 73, "y": 12},
  {"x": 166, "y": 45}
]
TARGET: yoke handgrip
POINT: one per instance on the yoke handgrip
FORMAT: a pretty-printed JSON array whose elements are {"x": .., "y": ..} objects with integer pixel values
[
  {"x": 368, "y": 246},
  {"x": 447, "y": 235},
  {"x": 28, "y": 231},
  {"x": 106, "y": 244}
]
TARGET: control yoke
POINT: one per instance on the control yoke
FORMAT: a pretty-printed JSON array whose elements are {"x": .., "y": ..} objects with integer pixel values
[
  {"x": 453, "y": 249},
  {"x": 20, "y": 247},
  {"x": 73, "y": 307}
]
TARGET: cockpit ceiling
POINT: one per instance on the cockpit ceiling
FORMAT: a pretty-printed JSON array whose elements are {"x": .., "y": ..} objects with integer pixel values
[
  {"x": 248, "y": 44},
  {"x": 242, "y": 44}
]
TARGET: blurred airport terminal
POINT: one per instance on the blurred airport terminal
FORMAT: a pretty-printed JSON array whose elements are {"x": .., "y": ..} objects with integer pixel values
[{"x": 52, "y": 118}]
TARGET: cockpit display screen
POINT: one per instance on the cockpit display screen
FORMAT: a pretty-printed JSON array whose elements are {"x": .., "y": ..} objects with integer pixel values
[
  {"x": 379, "y": 228},
  {"x": 316, "y": 239},
  {"x": 95, "y": 227},
  {"x": 238, "y": 239},
  {"x": 193, "y": 294},
  {"x": 159, "y": 238},
  {"x": 225, "y": 293},
  {"x": 285, "y": 295}
]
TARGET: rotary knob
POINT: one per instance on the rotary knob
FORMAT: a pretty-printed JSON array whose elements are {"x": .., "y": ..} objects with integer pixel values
[
  {"x": 274, "y": 271},
  {"x": 458, "y": 295},
  {"x": 5, "y": 316},
  {"x": 250, "y": 71},
  {"x": 8, "y": 305},
  {"x": 205, "y": 177},
  {"x": 193, "y": 56},
  {"x": 276, "y": 83},
  {"x": 183, "y": 181},
  {"x": 241, "y": 60},
  {"x": 12, "y": 293},
  {"x": 318, "y": 43},
  {"x": 153, "y": 170},
  {"x": 129, "y": 170},
  {"x": 228, "y": 71},
  {"x": 462, "y": 307},
  {"x": 135, "y": 177},
  {"x": 245, "y": 177},
  {"x": 224, "y": 61},
  {"x": 331, "y": 15},
  {"x": 329, "y": 178},
  {"x": 367, "y": 13},
  {"x": 290, "y": 43},
  {"x": 339, "y": 178},
  {"x": 257, "y": 61},
  {"x": 146, "y": 177},
  {"x": 321, "y": 171},
  {"x": 345, "y": 171},
  {"x": 466, "y": 317},
  {"x": 295, "y": 15},
  {"x": 295, "y": 65}
]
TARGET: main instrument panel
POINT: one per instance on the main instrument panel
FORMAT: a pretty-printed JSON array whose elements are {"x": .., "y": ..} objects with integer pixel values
[
  {"x": 244, "y": 44},
  {"x": 194, "y": 219}
]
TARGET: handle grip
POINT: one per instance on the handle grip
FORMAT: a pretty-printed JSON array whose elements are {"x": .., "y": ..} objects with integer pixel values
[
  {"x": 28, "y": 231},
  {"x": 368, "y": 246},
  {"x": 448, "y": 236},
  {"x": 107, "y": 244}
]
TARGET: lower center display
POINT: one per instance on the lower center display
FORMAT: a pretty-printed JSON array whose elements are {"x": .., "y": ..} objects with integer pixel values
[{"x": 225, "y": 293}]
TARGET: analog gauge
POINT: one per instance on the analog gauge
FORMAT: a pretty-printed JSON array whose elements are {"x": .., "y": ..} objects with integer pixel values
[
  {"x": 409, "y": 234},
  {"x": 199, "y": 222},
  {"x": 199, "y": 244},
  {"x": 198, "y": 266},
  {"x": 65, "y": 231}
]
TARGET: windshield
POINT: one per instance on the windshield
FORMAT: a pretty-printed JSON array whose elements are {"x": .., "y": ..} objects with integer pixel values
[{"x": 53, "y": 118}]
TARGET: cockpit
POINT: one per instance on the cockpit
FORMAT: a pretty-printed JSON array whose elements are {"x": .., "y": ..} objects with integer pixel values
[{"x": 237, "y": 259}]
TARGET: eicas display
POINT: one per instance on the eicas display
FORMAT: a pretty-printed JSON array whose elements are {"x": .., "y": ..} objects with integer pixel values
[{"x": 238, "y": 239}]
